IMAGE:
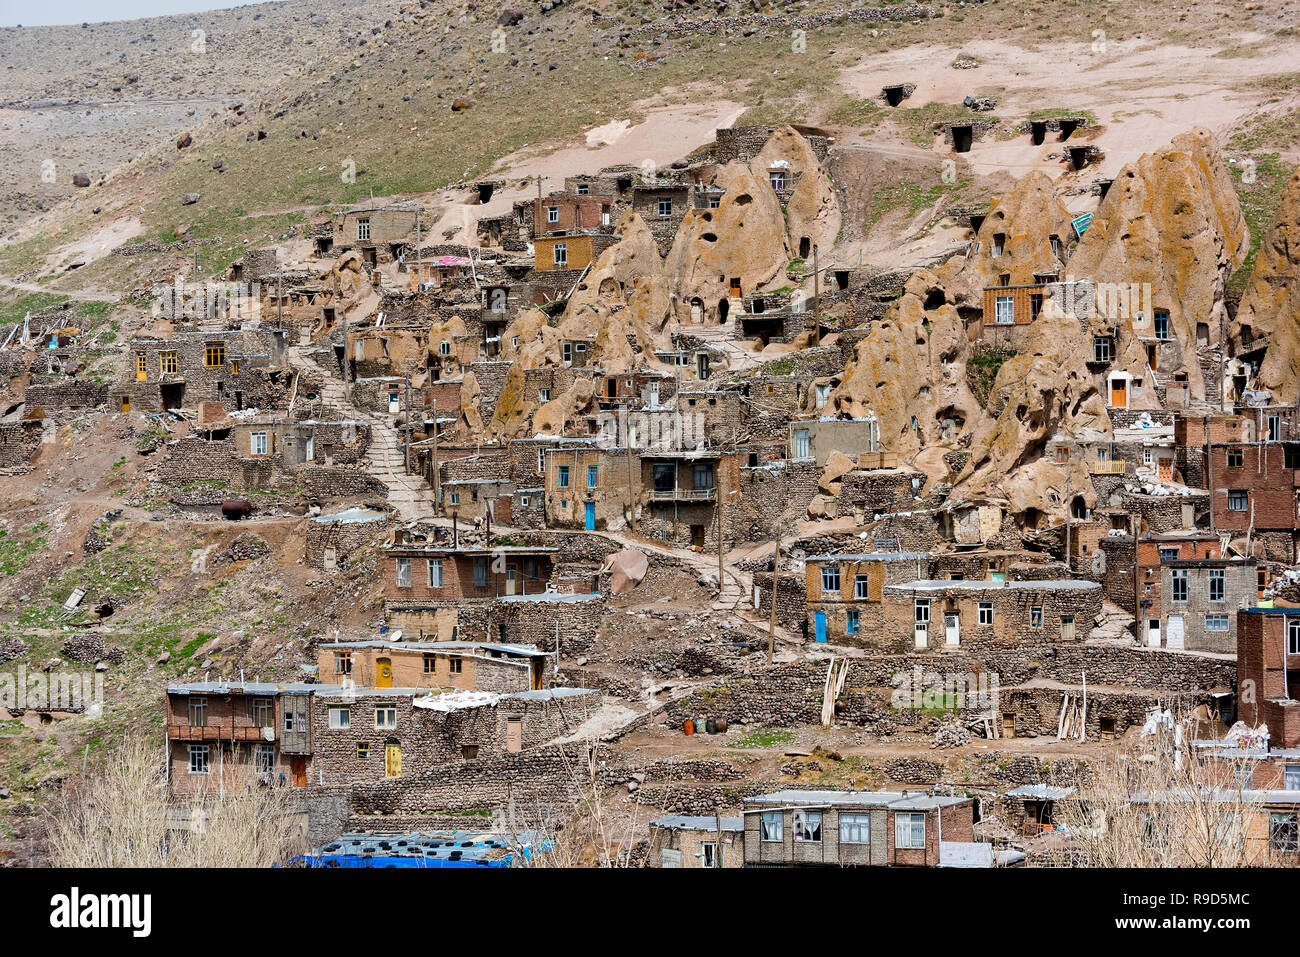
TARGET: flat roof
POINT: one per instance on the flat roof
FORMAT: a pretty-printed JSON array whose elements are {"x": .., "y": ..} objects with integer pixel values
[
  {"x": 525, "y": 650},
  {"x": 913, "y": 801},
  {"x": 966, "y": 584},
  {"x": 683, "y": 822},
  {"x": 870, "y": 557}
]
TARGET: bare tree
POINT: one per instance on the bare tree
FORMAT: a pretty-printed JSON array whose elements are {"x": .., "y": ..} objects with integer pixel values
[
  {"x": 1157, "y": 805},
  {"x": 122, "y": 816}
]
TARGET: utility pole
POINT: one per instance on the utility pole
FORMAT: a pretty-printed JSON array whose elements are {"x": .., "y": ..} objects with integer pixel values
[
  {"x": 437, "y": 489},
  {"x": 717, "y": 849},
  {"x": 776, "y": 569},
  {"x": 631, "y": 502},
  {"x": 718, "y": 510},
  {"x": 419, "y": 259},
  {"x": 1069, "y": 513},
  {"x": 407, "y": 424},
  {"x": 279, "y": 298}
]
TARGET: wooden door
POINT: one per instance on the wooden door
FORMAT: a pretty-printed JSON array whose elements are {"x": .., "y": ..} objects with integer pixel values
[
  {"x": 384, "y": 673},
  {"x": 298, "y": 771},
  {"x": 1166, "y": 471},
  {"x": 514, "y": 734},
  {"x": 392, "y": 760},
  {"x": 1008, "y": 724},
  {"x": 1119, "y": 393},
  {"x": 512, "y": 576}
]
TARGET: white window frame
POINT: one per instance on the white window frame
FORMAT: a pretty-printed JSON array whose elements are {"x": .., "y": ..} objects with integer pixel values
[
  {"x": 1004, "y": 310},
  {"x": 985, "y": 610},
  {"x": 403, "y": 574},
  {"x": 1179, "y": 585},
  {"x": 771, "y": 827},
  {"x": 435, "y": 572},
  {"x": 905, "y": 829},
  {"x": 340, "y": 718},
  {"x": 257, "y": 443},
  {"x": 264, "y": 759},
  {"x": 560, "y": 254},
  {"x": 199, "y": 754},
  {"x": 1217, "y": 619},
  {"x": 831, "y": 580},
  {"x": 1217, "y": 577},
  {"x": 552, "y": 214},
  {"x": 385, "y": 717},
  {"x": 862, "y": 587},
  {"x": 857, "y": 826},
  {"x": 664, "y": 207}
]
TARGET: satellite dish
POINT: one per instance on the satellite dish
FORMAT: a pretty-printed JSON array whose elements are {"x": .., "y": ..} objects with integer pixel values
[{"x": 397, "y": 635}]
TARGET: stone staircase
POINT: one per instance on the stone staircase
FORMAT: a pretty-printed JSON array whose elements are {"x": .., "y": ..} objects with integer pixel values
[{"x": 409, "y": 494}]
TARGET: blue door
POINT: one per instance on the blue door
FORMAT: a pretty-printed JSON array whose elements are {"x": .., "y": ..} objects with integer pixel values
[
  {"x": 821, "y": 626},
  {"x": 591, "y": 516}
]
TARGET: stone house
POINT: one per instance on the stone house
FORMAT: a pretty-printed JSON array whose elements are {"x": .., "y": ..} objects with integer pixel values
[
  {"x": 1198, "y": 601},
  {"x": 332, "y": 540},
  {"x": 237, "y": 368},
  {"x": 377, "y": 233},
  {"x": 457, "y": 665},
  {"x": 799, "y": 828},
  {"x": 228, "y": 732},
  {"x": 818, "y": 438},
  {"x": 950, "y": 614},
  {"x": 844, "y": 592},
  {"x": 685, "y": 841}
]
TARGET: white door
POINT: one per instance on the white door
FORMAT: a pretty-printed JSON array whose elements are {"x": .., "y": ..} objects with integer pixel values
[
  {"x": 952, "y": 629},
  {"x": 1153, "y": 632},
  {"x": 1174, "y": 631},
  {"x": 922, "y": 634},
  {"x": 311, "y": 449},
  {"x": 393, "y": 405}
]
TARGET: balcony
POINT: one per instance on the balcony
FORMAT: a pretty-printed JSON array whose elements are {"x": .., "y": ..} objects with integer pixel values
[
  {"x": 1113, "y": 467},
  {"x": 213, "y": 732},
  {"x": 683, "y": 495}
]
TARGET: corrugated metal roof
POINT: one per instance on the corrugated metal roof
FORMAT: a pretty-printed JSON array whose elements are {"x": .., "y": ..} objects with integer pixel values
[
  {"x": 680, "y": 822},
  {"x": 1040, "y": 792}
]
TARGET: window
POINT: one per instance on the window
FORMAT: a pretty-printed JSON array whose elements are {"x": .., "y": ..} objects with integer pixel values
[
  {"x": 363, "y": 229},
  {"x": 665, "y": 206},
  {"x": 921, "y": 609},
  {"x": 552, "y": 214},
  {"x": 777, "y": 179},
  {"x": 343, "y": 662},
  {"x": 263, "y": 713},
  {"x": 141, "y": 364},
  {"x": 1283, "y": 834},
  {"x": 1062, "y": 454},
  {"x": 807, "y": 827},
  {"x": 1056, "y": 247},
  {"x": 831, "y": 580},
  {"x": 1036, "y": 617},
  {"x": 340, "y": 718},
  {"x": 430, "y": 664},
  {"x": 562, "y": 476},
  {"x": 1236, "y": 458},
  {"x": 801, "y": 444},
  {"x": 264, "y": 761},
  {"x": 1162, "y": 324},
  {"x": 1004, "y": 310},
  {"x": 1217, "y": 576},
  {"x": 455, "y": 665},
  {"x": 861, "y": 587},
  {"x": 385, "y": 717},
  {"x": 455, "y": 498},
  {"x": 167, "y": 363},
  {"x": 480, "y": 572},
  {"x": 772, "y": 826},
  {"x": 985, "y": 613},
  {"x": 561, "y": 254},
  {"x": 1102, "y": 348},
  {"x": 855, "y": 828},
  {"x": 851, "y": 622},
  {"x": 593, "y": 474},
  {"x": 715, "y": 202},
  {"x": 702, "y": 477},
  {"x": 1238, "y": 501},
  {"x": 198, "y": 759},
  {"x": 363, "y": 750},
  {"x": 1178, "y": 579},
  {"x": 289, "y": 722},
  {"x": 1291, "y": 777},
  {"x": 999, "y": 243},
  {"x": 1216, "y": 622},
  {"x": 198, "y": 712},
  {"x": 710, "y": 856},
  {"x": 1035, "y": 304},
  {"x": 435, "y": 572},
  {"x": 403, "y": 573},
  {"x": 909, "y": 829},
  {"x": 214, "y": 354},
  {"x": 566, "y": 351},
  {"x": 257, "y": 443},
  {"x": 1274, "y": 428},
  {"x": 1293, "y": 636},
  {"x": 444, "y": 348},
  {"x": 544, "y": 395}
]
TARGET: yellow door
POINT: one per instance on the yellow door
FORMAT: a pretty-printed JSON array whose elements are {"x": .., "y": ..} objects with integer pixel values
[
  {"x": 126, "y": 403},
  {"x": 1118, "y": 394},
  {"x": 385, "y": 675},
  {"x": 392, "y": 760}
]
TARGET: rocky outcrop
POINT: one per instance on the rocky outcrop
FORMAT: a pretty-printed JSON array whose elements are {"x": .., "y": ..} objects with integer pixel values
[{"x": 1270, "y": 309}]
